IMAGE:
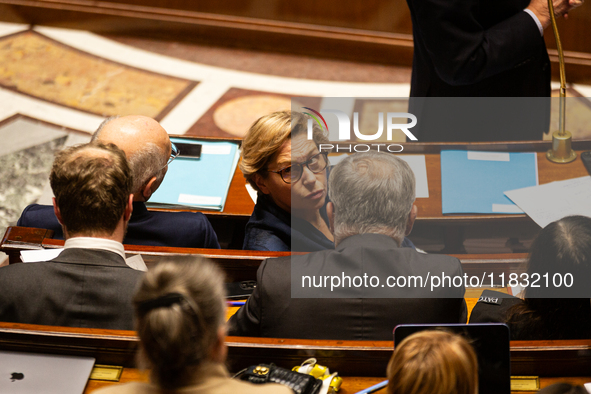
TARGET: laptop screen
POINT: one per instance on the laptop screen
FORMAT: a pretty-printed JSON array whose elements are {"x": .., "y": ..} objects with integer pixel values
[{"x": 490, "y": 343}]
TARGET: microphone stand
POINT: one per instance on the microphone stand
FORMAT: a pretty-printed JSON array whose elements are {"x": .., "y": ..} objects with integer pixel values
[{"x": 561, "y": 151}]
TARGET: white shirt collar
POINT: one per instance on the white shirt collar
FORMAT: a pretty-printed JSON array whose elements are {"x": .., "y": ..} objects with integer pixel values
[{"x": 96, "y": 243}]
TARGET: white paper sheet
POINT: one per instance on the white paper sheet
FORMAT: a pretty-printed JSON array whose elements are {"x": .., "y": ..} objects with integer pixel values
[
  {"x": 251, "y": 192},
  {"x": 35, "y": 256},
  {"x": 417, "y": 164},
  {"x": 489, "y": 156},
  {"x": 553, "y": 201},
  {"x": 136, "y": 262}
]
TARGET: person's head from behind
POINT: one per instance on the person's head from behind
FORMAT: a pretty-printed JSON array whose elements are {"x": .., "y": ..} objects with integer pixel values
[
  {"x": 561, "y": 254},
  {"x": 433, "y": 362},
  {"x": 562, "y": 247},
  {"x": 92, "y": 188},
  {"x": 563, "y": 388},
  {"x": 147, "y": 146},
  {"x": 180, "y": 319},
  {"x": 278, "y": 160},
  {"x": 372, "y": 193}
]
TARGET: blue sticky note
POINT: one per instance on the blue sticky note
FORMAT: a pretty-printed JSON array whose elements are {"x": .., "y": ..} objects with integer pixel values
[{"x": 475, "y": 182}]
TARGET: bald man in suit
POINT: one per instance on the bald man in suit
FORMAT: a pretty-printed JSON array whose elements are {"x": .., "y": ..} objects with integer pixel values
[{"x": 148, "y": 149}]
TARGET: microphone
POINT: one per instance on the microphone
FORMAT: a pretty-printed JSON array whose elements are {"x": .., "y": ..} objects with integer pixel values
[{"x": 562, "y": 151}]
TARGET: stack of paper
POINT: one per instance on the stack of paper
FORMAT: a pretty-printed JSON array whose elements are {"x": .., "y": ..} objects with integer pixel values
[
  {"x": 417, "y": 164},
  {"x": 553, "y": 201},
  {"x": 199, "y": 183},
  {"x": 475, "y": 182},
  {"x": 36, "y": 256}
]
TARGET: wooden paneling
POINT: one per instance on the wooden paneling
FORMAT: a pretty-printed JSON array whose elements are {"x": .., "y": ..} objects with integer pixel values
[
  {"x": 230, "y": 223},
  {"x": 375, "y": 30},
  {"x": 240, "y": 265},
  {"x": 350, "y": 358}
]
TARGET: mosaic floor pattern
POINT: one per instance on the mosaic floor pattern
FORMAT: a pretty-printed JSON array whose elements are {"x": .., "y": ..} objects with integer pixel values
[{"x": 43, "y": 68}]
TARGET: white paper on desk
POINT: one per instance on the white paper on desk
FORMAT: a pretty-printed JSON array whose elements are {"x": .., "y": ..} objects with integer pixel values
[
  {"x": 35, "y": 256},
  {"x": 417, "y": 164},
  {"x": 553, "y": 201},
  {"x": 136, "y": 262},
  {"x": 252, "y": 193}
]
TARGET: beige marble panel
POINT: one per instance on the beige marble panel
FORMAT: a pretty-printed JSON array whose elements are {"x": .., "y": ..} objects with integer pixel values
[{"x": 38, "y": 66}]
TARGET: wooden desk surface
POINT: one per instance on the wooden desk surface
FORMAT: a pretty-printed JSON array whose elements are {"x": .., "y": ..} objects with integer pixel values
[
  {"x": 361, "y": 363},
  {"x": 351, "y": 384},
  {"x": 239, "y": 203},
  {"x": 430, "y": 208}
]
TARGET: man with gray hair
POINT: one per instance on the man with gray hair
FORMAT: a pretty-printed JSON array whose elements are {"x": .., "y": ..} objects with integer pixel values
[
  {"x": 149, "y": 151},
  {"x": 375, "y": 194},
  {"x": 368, "y": 284}
]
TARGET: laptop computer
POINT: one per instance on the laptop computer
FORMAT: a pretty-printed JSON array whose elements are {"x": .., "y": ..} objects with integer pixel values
[
  {"x": 491, "y": 345},
  {"x": 30, "y": 373}
]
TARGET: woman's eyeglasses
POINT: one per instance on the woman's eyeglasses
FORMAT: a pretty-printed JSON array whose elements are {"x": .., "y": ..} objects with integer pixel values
[{"x": 293, "y": 173}]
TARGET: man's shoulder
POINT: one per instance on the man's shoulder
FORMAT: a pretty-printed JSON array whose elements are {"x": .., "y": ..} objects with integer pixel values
[
  {"x": 399, "y": 254},
  {"x": 433, "y": 257},
  {"x": 73, "y": 263},
  {"x": 257, "y": 238},
  {"x": 193, "y": 223},
  {"x": 175, "y": 217},
  {"x": 301, "y": 257},
  {"x": 36, "y": 212},
  {"x": 180, "y": 229},
  {"x": 38, "y": 208},
  {"x": 21, "y": 278},
  {"x": 417, "y": 263},
  {"x": 93, "y": 257},
  {"x": 11, "y": 270},
  {"x": 493, "y": 306},
  {"x": 94, "y": 264},
  {"x": 395, "y": 257},
  {"x": 278, "y": 269}
]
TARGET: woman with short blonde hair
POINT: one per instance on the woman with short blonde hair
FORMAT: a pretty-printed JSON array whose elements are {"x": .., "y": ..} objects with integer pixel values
[
  {"x": 266, "y": 136},
  {"x": 289, "y": 173},
  {"x": 433, "y": 362}
]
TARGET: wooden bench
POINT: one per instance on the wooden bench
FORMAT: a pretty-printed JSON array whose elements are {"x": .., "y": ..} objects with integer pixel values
[
  {"x": 450, "y": 230},
  {"x": 361, "y": 363},
  {"x": 238, "y": 264}
]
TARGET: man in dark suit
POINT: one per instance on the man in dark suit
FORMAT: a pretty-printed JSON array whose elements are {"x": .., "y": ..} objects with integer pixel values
[
  {"x": 481, "y": 71},
  {"x": 371, "y": 211},
  {"x": 89, "y": 283},
  {"x": 149, "y": 151}
]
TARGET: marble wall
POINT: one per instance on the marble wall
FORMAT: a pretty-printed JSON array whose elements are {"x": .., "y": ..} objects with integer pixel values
[{"x": 27, "y": 149}]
